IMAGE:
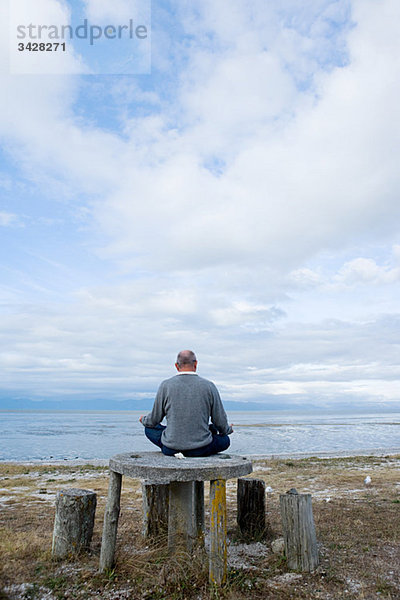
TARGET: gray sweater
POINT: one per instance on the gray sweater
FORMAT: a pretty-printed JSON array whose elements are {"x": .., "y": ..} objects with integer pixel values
[{"x": 187, "y": 401}]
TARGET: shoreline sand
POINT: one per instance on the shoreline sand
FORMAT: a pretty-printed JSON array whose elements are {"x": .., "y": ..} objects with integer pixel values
[{"x": 355, "y": 497}]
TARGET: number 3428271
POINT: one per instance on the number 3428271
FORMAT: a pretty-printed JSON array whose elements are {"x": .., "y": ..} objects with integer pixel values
[{"x": 42, "y": 47}]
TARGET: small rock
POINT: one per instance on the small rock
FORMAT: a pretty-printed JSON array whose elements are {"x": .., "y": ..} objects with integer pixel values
[
  {"x": 242, "y": 556},
  {"x": 278, "y": 546},
  {"x": 286, "y": 578}
]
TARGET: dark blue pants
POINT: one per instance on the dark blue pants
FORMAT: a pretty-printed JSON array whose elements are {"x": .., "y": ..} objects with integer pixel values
[{"x": 218, "y": 444}]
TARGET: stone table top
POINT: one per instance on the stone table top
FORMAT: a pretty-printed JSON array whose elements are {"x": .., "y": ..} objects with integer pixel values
[{"x": 155, "y": 467}]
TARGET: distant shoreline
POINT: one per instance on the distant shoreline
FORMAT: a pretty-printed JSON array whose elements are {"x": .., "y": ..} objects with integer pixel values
[
  {"x": 230, "y": 406},
  {"x": 333, "y": 454},
  {"x": 103, "y": 462}
]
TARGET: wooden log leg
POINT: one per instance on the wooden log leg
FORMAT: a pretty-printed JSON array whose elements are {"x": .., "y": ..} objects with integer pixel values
[
  {"x": 218, "y": 550},
  {"x": 251, "y": 506},
  {"x": 182, "y": 528},
  {"x": 155, "y": 509},
  {"x": 199, "y": 510},
  {"x": 74, "y": 520},
  {"x": 299, "y": 531},
  {"x": 110, "y": 526}
]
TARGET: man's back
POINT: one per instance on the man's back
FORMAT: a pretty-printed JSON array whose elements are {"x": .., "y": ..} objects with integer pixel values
[{"x": 188, "y": 402}]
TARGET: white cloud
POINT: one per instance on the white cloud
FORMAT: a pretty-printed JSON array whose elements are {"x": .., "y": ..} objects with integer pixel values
[
  {"x": 110, "y": 340},
  {"x": 366, "y": 270},
  {"x": 294, "y": 177},
  {"x": 358, "y": 271},
  {"x": 305, "y": 278},
  {"x": 29, "y": 22},
  {"x": 102, "y": 11},
  {"x": 210, "y": 207},
  {"x": 246, "y": 315},
  {"x": 291, "y": 186},
  {"x": 8, "y": 219}
]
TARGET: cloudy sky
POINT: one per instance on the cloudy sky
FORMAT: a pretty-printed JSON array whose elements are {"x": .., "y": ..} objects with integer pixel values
[{"x": 242, "y": 199}]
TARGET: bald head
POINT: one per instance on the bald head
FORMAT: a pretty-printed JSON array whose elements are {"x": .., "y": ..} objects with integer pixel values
[{"x": 186, "y": 361}]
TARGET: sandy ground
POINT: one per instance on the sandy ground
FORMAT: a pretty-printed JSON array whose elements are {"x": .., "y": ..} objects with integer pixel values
[{"x": 357, "y": 523}]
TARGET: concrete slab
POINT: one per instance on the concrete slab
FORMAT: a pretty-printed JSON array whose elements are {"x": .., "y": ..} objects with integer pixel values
[{"x": 155, "y": 467}]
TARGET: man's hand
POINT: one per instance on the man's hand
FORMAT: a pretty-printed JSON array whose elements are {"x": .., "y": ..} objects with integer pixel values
[
  {"x": 140, "y": 418},
  {"x": 231, "y": 425}
]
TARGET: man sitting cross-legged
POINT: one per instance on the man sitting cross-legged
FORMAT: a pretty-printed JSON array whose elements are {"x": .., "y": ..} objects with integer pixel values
[{"x": 188, "y": 402}]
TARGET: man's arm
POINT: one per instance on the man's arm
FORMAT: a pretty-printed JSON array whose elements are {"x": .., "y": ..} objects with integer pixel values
[
  {"x": 157, "y": 414},
  {"x": 218, "y": 414}
]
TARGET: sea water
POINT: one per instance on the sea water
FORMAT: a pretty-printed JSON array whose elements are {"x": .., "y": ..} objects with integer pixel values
[{"x": 90, "y": 435}]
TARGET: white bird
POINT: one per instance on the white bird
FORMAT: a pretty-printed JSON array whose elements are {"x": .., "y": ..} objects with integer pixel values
[{"x": 367, "y": 480}]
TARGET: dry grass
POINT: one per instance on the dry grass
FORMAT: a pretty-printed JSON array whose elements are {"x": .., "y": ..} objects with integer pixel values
[{"x": 358, "y": 529}]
